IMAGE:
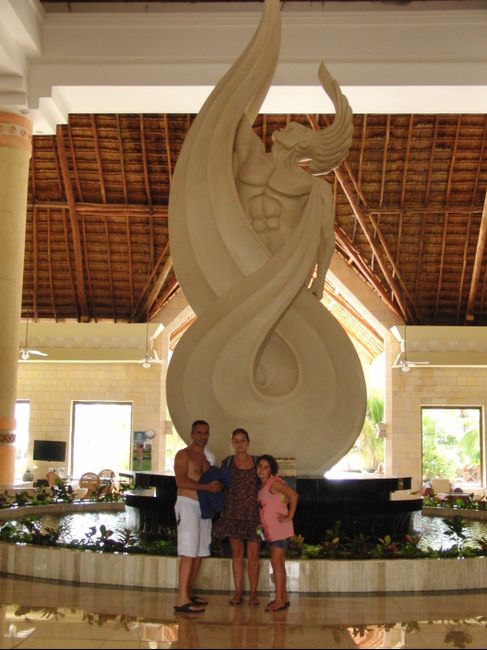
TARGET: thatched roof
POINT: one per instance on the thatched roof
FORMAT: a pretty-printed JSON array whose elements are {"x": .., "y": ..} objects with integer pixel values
[{"x": 409, "y": 204}]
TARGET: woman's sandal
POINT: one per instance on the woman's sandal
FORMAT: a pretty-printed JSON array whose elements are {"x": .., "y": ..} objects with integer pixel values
[
  {"x": 270, "y": 608},
  {"x": 236, "y": 600},
  {"x": 253, "y": 601},
  {"x": 188, "y": 608}
]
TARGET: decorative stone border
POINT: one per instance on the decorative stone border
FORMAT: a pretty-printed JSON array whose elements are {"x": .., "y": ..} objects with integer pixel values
[
  {"x": 304, "y": 576},
  {"x": 465, "y": 513},
  {"x": 61, "y": 509}
]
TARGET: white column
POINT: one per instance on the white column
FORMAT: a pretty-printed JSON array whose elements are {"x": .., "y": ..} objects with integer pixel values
[{"x": 15, "y": 150}]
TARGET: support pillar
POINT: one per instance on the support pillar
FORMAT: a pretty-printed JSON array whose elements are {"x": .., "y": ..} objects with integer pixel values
[{"x": 15, "y": 150}]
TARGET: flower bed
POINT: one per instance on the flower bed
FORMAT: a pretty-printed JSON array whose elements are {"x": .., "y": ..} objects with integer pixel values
[{"x": 339, "y": 563}]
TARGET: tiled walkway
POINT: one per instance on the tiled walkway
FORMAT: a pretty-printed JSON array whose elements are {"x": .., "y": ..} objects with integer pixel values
[{"x": 48, "y": 615}]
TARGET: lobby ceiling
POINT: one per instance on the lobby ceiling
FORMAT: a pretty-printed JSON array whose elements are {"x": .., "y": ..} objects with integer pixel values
[
  {"x": 112, "y": 88},
  {"x": 409, "y": 214}
]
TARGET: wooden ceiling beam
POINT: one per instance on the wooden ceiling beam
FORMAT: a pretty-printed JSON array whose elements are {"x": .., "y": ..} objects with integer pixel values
[
  {"x": 35, "y": 262},
  {"x": 140, "y": 308},
  {"x": 130, "y": 262},
  {"x": 110, "y": 270},
  {"x": 144, "y": 160},
  {"x": 464, "y": 267},
  {"x": 429, "y": 179},
  {"x": 356, "y": 182},
  {"x": 433, "y": 209},
  {"x": 453, "y": 159},
  {"x": 164, "y": 297},
  {"x": 363, "y": 140},
  {"x": 359, "y": 215},
  {"x": 161, "y": 210},
  {"x": 420, "y": 255},
  {"x": 479, "y": 165},
  {"x": 75, "y": 164},
  {"x": 384, "y": 160},
  {"x": 406, "y": 160},
  {"x": 168, "y": 148},
  {"x": 148, "y": 304},
  {"x": 33, "y": 170},
  {"x": 74, "y": 292},
  {"x": 445, "y": 222},
  {"x": 156, "y": 210},
  {"x": 98, "y": 158},
  {"x": 442, "y": 265},
  {"x": 477, "y": 265},
  {"x": 410, "y": 305},
  {"x": 87, "y": 268},
  {"x": 394, "y": 287},
  {"x": 356, "y": 258},
  {"x": 398, "y": 243},
  {"x": 75, "y": 233},
  {"x": 122, "y": 160},
  {"x": 353, "y": 313},
  {"x": 49, "y": 264}
]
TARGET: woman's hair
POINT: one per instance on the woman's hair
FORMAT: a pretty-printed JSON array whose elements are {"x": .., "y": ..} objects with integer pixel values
[
  {"x": 272, "y": 462},
  {"x": 234, "y": 433}
]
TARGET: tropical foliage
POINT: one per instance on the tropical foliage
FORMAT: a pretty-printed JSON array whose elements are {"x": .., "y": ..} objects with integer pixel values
[
  {"x": 451, "y": 444},
  {"x": 336, "y": 545},
  {"x": 369, "y": 447}
]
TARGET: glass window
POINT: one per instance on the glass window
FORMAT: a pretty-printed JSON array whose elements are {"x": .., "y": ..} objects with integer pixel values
[
  {"x": 174, "y": 443},
  {"x": 452, "y": 446},
  {"x": 22, "y": 416},
  {"x": 101, "y": 437}
]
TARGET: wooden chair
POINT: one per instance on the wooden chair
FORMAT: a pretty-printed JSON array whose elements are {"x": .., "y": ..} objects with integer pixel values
[
  {"x": 106, "y": 473},
  {"x": 107, "y": 479},
  {"x": 91, "y": 482},
  {"x": 52, "y": 479}
]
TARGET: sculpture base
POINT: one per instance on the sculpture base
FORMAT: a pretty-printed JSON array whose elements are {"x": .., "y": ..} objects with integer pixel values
[{"x": 361, "y": 504}]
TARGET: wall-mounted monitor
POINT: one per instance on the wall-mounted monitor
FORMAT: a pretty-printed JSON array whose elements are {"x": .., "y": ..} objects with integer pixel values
[{"x": 53, "y": 450}]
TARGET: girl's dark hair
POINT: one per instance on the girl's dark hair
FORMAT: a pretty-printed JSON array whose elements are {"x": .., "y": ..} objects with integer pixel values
[
  {"x": 272, "y": 462},
  {"x": 234, "y": 433}
]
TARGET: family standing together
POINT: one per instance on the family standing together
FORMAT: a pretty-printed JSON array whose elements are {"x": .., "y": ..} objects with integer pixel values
[{"x": 255, "y": 504}]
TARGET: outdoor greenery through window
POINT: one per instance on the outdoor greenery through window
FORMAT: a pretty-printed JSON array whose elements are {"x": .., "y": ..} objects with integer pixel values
[
  {"x": 452, "y": 445},
  {"x": 367, "y": 454}
]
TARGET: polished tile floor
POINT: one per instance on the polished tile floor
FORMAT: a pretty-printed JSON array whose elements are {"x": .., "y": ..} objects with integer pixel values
[{"x": 36, "y": 614}]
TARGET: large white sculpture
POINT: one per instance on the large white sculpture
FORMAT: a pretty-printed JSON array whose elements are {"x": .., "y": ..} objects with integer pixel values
[{"x": 247, "y": 230}]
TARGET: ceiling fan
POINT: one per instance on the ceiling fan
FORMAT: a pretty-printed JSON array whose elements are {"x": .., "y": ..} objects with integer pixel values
[
  {"x": 402, "y": 362},
  {"x": 150, "y": 356},
  {"x": 26, "y": 351}
]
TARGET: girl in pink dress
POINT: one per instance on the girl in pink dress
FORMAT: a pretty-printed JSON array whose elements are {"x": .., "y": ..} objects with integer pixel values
[{"x": 277, "y": 503}]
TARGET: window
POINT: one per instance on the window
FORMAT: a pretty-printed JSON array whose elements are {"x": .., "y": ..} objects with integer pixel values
[
  {"x": 174, "y": 443},
  {"x": 101, "y": 436},
  {"x": 22, "y": 416},
  {"x": 452, "y": 445}
]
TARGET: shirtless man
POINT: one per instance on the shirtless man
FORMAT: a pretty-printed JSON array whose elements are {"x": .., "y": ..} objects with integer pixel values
[{"x": 194, "y": 533}]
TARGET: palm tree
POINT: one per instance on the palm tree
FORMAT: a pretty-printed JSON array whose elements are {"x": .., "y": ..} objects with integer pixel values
[{"x": 369, "y": 446}]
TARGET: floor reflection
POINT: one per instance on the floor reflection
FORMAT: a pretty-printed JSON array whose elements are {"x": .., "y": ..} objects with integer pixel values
[{"x": 35, "y": 614}]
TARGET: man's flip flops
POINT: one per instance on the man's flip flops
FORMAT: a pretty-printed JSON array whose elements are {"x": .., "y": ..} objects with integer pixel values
[
  {"x": 198, "y": 600},
  {"x": 189, "y": 608}
]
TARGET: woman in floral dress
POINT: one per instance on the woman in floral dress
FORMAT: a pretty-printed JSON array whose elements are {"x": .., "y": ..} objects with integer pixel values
[{"x": 240, "y": 518}]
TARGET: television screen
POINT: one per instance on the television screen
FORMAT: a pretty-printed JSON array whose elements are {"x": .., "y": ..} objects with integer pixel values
[{"x": 49, "y": 450}]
